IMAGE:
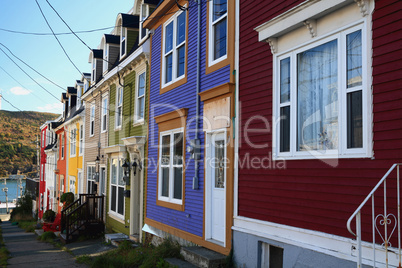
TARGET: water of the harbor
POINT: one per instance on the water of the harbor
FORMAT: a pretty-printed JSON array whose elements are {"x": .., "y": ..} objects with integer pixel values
[{"x": 13, "y": 190}]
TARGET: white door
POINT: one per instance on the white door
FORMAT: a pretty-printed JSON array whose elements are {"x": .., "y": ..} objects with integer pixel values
[{"x": 215, "y": 187}]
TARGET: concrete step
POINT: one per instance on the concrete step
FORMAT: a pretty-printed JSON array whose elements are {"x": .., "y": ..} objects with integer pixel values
[
  {"x": 116, "y": 239},
  {"x": 202, "y": 257},
  {"x": 179, "y": 263}
]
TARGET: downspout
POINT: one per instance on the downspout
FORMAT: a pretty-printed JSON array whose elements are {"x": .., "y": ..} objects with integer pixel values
[{"x": 197, "y": 99}]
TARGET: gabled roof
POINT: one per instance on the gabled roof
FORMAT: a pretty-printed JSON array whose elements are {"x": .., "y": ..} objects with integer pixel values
[
  {"x": 85, "y": 75},
  {"x": 63, "y": 97},
  {"x": 112, "y": 39},
  {"x": 130, "y": 21},
  {"x": 55, "y": 125},
  {"x": 78, "y": 82}
]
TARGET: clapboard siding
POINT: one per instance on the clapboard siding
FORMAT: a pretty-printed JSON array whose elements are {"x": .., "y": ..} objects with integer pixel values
[
  {"x": 183, "y": 96},
  {"x": 309, "y": 193}
]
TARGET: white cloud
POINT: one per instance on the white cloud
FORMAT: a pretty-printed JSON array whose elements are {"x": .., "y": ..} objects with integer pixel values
[
  {"x": 52, "y": 108},
  {"x": 19, "y": 91}
]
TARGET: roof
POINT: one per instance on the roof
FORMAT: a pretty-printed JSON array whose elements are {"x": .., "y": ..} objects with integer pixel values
[
  {"x": 50, "y": 146},
  {"x": 130, "y": 21},
  {"x": 56, "y": 124},
  {"x": 112, "y": 39},
  {"x": 161, "y": 10},
  {"x": 97, "y": 53},
  {"x": 63, "y": 97},
  {"x": 153, "y": 2},
  {"x": 79, "y": 82},
  {"x": 71, "y": 91}
]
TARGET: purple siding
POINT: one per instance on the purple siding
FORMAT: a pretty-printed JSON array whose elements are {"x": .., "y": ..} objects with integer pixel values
[{"x": 184, "y": 96}]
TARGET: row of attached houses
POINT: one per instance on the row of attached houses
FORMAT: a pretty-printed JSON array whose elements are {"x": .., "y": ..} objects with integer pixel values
[{"x": 257, "y": 128}]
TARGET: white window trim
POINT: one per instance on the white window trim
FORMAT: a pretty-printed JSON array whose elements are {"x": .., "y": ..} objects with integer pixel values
[
  {"x": 123, "y": 40},
  {"x": 118, "y": 88},
  {"x": 73, "y": 142},
  {"x": 174, "y": 51},
  {"x": 105, "y": 57},
  {"x": 81, "y": 141},
  {"x": 104, "y": 115},
  {"x": 93, "y": 73},
  {"x": 211, "y": 47},
  {"x": 63, "y": 149},
  {"x": 136, "y": 106},
  {"x": 92, "y": 118},
  {"x": 342, "y": 151},
  {"x": 169, "y": 199},
  {"x": 142, "y": 39},
  {"x": 111, "y": 212}
]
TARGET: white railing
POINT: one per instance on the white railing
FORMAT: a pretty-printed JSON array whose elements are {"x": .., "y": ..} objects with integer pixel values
[{"x": 389, "y": 223}]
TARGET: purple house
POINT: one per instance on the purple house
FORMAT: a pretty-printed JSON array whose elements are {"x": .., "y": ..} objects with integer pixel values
[{"x": 189, "y": 183}]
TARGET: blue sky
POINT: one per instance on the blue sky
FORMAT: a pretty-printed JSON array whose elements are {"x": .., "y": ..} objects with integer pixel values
[{"x": 44, "y": 53}]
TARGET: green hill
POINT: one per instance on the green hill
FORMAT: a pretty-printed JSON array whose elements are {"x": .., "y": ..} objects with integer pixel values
[{"x": 18, "y": 132}]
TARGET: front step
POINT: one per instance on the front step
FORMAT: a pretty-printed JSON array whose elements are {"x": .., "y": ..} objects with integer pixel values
[
  {"x": 202, "y": 257},
  {"x": 179, "y": 263},
  {"x": 115, "y": 239}
]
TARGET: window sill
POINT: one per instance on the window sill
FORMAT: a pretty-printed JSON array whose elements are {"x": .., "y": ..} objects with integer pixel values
[
  {"x": 179, "y": 207},
  {"x": 138, "y": 123},
  {"x": 116, "y": 217},
  {"x": 177, "y": 83},
  {"x": 318, "y": 155},
  {"x": 117, "y": 128}
]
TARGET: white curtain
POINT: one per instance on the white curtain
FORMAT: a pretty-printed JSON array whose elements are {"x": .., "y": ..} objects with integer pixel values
[{"x": 317, "y": 98}]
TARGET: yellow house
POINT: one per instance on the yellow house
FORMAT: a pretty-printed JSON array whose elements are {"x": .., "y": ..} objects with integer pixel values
[{"x": 75, "y": 143}]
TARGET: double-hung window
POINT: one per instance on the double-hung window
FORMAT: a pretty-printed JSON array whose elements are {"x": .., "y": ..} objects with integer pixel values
[
  {"x": 81, "y": 145},
  {"x": 92, "y": 121},
  {"x": 140, "y": 99},
  {"x": 117, "y": 187},
  {"x": 174, "y": 49},
  {"x": 218, "y": 21},
  {"x": 104, "y": 114},
  {"x": 93, "y": 70},
  {"x": 62, "y": 146},
  {"x": 144, "y": 15},
  {"x": 73, "y": 142},
  {"x": 171, "y": 166},
  {"x": 321, "y": 98},
  {"x": 91, "y": 179},
  {"x": 105, "y": 57},
  {"x": 119, "y": 107}
]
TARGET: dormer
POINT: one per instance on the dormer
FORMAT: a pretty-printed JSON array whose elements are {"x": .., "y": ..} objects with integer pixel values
[
  {"x": 144, "y": 8},
  {"x": 80, "y": 90},
  {"x": 96, "y": 60},
  {"x": 72, "y": 100},
  {"x": 127, "y": 26},
  {"x": 110, "y": 45},
  {"x": 86, "y": 80},
  {"x": 64, "y": 100}
]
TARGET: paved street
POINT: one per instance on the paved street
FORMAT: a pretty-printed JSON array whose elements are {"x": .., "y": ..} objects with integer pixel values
[{"x": 26, "y": 251}]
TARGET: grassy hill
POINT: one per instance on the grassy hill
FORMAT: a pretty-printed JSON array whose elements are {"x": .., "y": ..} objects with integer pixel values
[{"x": 18, "y": 132}]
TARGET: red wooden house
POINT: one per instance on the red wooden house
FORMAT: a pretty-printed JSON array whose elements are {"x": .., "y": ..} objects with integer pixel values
[{"x": 320, "y": 118}]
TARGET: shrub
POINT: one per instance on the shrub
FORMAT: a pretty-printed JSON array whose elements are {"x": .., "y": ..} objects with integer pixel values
[
  {"x": 47, "y": 237},
  {"x": 67, "y": 198},
  {"x": 49, "y": 215}
]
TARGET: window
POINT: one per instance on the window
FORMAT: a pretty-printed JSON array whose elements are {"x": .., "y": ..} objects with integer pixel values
[
  {"x": 117, "y": 187},
  {"x": 174, "y": 49},
  {"x": 104, "y": 115},
  {"x": 320, "y": 100},
  {"x": 73, "y": 142},
  {"x": 85, "y": 86},
  {"x": 72, "y": 184},
  {"x": 57, "y": 149},
  {"x": 217, "y": 30},
  {"x": 93, "y": 70},
  {"x": 79, "y": 93},
  {"x": 171, "y": 166},
  {"x": 61, "y": 184},
  {"x": 122, "y": 42},
  {"x": 81, "y": 140},
  {"x": 119, "y": 107},
  {"x": 105, "y": 57},
  {"x": 140, "y": 101},
  {"x": 92, "y": 121},
  {"x": 62, "y": 146},
  {"x": 90, "y": 179},
  {"x": 143, "y": 15}
]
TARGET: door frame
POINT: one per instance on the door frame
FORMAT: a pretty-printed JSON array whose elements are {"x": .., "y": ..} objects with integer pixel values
[
  {"x": 136, "y": 196},
  {"x": 208, "y": 187}
]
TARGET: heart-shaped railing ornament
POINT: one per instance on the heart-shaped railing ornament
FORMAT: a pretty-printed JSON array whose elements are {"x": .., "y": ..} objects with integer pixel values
[{"x": 385, "y": 220}]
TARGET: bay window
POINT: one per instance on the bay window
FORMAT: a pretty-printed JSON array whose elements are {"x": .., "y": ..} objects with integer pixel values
[{"x": 321, "y": 98}]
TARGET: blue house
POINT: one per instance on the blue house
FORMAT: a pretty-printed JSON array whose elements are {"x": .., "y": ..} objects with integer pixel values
[{"x": 190, "y": 165}]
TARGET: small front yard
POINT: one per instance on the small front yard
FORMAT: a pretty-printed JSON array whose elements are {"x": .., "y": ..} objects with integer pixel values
[{"x": 146, "y": 256}]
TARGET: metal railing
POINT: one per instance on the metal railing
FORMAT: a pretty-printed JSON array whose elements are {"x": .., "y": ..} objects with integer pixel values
[{"x": 386, "y": 221}]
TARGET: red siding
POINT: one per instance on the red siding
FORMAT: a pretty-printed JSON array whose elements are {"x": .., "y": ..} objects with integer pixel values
[{"x": 309, "y": 193}]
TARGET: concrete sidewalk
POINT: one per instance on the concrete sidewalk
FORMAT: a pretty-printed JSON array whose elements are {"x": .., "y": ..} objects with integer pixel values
[{"x": 27, "y": 251}]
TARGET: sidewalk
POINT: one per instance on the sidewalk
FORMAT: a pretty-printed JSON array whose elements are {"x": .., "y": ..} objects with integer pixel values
[{"x": 27, "y": 251}]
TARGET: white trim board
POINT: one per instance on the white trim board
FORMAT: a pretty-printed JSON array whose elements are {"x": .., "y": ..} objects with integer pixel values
[{"x": 333, "y": 245}]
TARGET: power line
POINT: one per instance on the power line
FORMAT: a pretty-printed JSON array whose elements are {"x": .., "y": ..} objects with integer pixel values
[
  {"x": 55, "y": 36},
  {"x": 28, "y": 74},
  {"x": 31, "y": 67},
  {"x": 47, "y": 34}
]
